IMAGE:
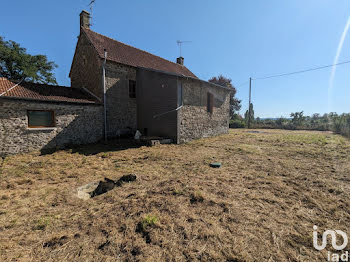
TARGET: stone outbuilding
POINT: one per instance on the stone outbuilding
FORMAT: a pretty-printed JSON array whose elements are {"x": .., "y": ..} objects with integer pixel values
[
  {"x": 116, "y": 90},
  {"x": 39, "y": 117}
]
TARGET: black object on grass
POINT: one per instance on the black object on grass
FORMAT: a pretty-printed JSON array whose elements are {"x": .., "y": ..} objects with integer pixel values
[{"x": 215, "y": 165}]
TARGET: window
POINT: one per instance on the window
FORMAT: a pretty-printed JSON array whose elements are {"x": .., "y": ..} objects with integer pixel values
[
  {"x": 41, "y": 118},
  {"x": 210, "y": 102},
  {"x": 132, "y": 89}
]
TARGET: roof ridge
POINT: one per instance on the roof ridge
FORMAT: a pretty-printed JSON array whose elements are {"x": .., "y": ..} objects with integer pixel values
[
  {"x": 32, "y": 83},
  {"x": 17, "y": 80},
  {"x": 8, "y": 79},
  {"x": 15, "y": 89},
  {"x": 47, "y": 85},
  {"x": 135, "y": 48},
  {"x": 42, "y": 84}
]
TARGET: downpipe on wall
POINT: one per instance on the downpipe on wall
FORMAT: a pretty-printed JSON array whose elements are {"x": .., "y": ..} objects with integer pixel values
[{"x": 104, "y": 94}]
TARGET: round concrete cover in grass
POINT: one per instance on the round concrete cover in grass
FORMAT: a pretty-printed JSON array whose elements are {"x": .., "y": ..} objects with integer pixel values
[{"x": 215, "y": 165}]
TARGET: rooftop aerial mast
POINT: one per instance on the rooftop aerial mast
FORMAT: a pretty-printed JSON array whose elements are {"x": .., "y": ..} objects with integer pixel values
[
  {"x": 91, "y": 5},
  {"x": 179, "y": 43}
]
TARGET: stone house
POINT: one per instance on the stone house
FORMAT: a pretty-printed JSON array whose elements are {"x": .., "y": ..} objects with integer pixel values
[{"x": 115, "y": 89}]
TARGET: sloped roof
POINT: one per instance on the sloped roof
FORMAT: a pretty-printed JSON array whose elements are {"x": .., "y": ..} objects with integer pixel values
[
  {"x": 128, "y": 55},
  {"x": 43, "y": 92}
]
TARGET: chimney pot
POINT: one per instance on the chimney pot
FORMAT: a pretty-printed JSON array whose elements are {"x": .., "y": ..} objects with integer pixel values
[
  {"x": 180, "y": 60},
  {"x": 85, "y": 19}
]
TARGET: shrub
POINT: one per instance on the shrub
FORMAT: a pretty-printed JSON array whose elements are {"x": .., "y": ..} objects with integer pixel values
[
  {"x": 341, "y": 124},
  {"x": 42, "y": 223},
  {"x": 237, "y": 123},
  {"x": 149, "y": 221}
]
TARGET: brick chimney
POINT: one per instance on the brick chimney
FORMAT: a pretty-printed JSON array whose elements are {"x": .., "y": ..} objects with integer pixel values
[
  {"x": 85, "y": 19},
  {"x": 180, "y": 60}
]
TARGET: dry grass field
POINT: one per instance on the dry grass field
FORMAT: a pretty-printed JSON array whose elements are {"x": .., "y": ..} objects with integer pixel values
[{"x": 261, "y": 205}]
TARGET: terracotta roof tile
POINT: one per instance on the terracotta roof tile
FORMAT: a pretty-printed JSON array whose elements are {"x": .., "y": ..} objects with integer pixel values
[
  {"x": 128, "y": 55},
  {"x": 42, "y": 92}
]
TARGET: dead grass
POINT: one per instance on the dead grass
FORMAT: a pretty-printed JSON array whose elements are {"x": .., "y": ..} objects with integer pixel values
[{"x": 261, "y": 205}]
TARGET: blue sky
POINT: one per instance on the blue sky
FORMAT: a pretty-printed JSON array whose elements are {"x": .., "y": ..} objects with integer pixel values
[{"x": 236, "y": 38}]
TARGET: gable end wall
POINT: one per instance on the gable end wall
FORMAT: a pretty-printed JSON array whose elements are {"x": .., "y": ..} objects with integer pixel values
[{"x": 86, "y": 69}]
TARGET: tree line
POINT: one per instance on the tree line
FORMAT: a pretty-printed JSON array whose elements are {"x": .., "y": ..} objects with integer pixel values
[{"x": 338, "y": 123}]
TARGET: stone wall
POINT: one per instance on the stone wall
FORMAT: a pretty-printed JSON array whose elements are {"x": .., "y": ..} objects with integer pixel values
[
  {"x": 193, "y": 119},
  {"x": 75, "y": 124},
  {"x": 86, "y": 72},
  {"x": 121, "y": 109},
  {"x": 86, "y": 69}
]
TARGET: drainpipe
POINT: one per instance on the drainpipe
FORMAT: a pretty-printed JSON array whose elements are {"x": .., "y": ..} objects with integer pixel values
[{"x": 104, "y": 94}]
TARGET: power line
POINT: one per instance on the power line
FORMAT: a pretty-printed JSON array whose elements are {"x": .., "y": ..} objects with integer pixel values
[
  {"x": 302, "y": 71},
  {"x": 287, "y": 74},
  {"x": 242, "y": 84}
]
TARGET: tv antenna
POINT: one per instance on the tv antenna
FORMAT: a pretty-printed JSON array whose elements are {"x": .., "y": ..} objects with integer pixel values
[
  {"x": 179, "y": 43},
  {"x": 91, "y": 5}
]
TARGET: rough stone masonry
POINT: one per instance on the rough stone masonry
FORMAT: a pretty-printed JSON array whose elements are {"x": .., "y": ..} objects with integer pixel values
[{"x": 74, "y": 124}]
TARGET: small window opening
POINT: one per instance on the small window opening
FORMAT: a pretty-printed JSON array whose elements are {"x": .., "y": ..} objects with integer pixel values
[
  {"x": 40, "y": 118},
  {"x": 132, "y": 89},
  {"x": 210, "y": 102}
]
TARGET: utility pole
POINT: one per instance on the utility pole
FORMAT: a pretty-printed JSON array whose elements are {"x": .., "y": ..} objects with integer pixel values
[{"x": 250, "y": 101}]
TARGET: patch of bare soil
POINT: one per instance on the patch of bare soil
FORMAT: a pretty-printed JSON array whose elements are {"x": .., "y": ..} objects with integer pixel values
[{"x": 260, "y": 205}]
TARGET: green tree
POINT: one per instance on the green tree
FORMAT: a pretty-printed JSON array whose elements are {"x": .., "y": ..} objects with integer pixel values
[
  {"x": 316, "y": 116},
  {"x": 298, "y": 119},
  {"x": 246, "y": 115},
  {"x": 314, "y": 120},
  {"x": 235, "y": 104},
  {"x": 280, "y": 122},
  {"x": 16, "y": 64}
]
